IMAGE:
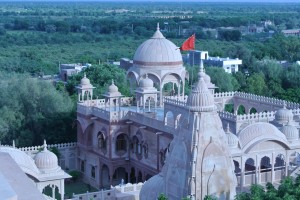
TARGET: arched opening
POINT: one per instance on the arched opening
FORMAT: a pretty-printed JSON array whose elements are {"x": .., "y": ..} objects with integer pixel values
[
  {"x": 253, "y": 111},
  {"x": 52, "y": 191},
  {"x": 229, "y": 108},
  {"x": 265, "y": 170},
  {"x": 279, "y": 162},
  {"x": 241, "y": 110},
  {"x": 120, "y": 176},
  {"x": 104, "y": 178},
  {"x": 237, "y": 168},
  {"x": 121, "y": 143},
  {"x": 82, "y": 166},
  {"x": 145, "y": 147},
  {"x": 93, "y": 172},
  {"x": 170, "y": 89},
  {"x": 250, "y": 166},
  {"x": 136, "y": 146},
  {"x": 169, "y": 119},
  {"x": 265, "y": 164},
  {"x": 177, "y": 120},
  {"x": 163, "y": 155},
  {"x": 101, "y": 140},
  {"x": 132, "y": 175}
]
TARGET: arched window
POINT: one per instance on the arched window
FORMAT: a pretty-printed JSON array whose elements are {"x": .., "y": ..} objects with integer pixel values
[
  {"x": 137, "y": 146},
  {"x": 145, "y": 150},
  {"x": 93, "y": 172},
  {"x": 101, "y": 141},
  {"x": 121, "y": 143},
  {"x": 82, "y": 166}
]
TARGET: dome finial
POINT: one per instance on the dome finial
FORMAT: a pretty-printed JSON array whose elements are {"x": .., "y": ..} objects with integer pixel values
[
  {"x": 14, "y": 144},
  {"x": 45, "y": 145},
  {"x": 147, "y": 75},
  {"x": 157, "y": 28},
  {"x": 112, "y": 81},
  {"x": 84, "y": 75},
  {"x": 201, "y": 70}
]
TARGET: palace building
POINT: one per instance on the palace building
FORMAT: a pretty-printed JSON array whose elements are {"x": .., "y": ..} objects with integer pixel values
[{"x": 182, "y": 145}]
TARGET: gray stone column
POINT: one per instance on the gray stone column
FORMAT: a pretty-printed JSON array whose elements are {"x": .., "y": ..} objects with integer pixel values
[{"x": 272, "y": 169}]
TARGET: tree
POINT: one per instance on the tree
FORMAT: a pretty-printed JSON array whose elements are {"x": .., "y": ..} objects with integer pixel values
[
  {"x": 256, "y": 84},
  {"x": 162, "y": 197},
  {"x": 33, "y": 110},
  {"x": 101, "y": 77},
  {"x": 224, "y": 81}
]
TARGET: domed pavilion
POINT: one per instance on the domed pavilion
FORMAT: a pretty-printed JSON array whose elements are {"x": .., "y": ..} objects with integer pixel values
[{"x": 161, "y": 60}]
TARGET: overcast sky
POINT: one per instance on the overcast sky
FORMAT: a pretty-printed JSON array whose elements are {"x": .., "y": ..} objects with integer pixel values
[{"x": 261, "y": 1}]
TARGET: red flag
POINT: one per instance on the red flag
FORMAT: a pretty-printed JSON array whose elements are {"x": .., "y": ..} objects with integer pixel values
[{"x": 189, "y": 44}]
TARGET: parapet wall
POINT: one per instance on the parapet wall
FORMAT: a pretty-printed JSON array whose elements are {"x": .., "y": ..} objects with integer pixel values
[{"x": 67, "y": 159}]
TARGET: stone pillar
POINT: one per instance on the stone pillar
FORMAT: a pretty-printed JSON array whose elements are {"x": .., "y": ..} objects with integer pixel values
[
  {"x": 257, "y": 170},
  {"x": 287, "y": 163},
  {"x": 242, "y": 174},
  {"x": 272, "y": 168},
  {"x": 178, "y": 90},
  {"x": 183, "y": 88},
  {"x": 53, "y": 191},
  {"x": 62, "y": 189},
  {"x": 160, "y": 95}
]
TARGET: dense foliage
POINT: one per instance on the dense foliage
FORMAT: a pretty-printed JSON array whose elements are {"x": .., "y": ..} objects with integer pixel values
[
  {"x": 288, "y": 189},
  {"x": 101, "y": 77},
  {"x": 32, "y": 110}
]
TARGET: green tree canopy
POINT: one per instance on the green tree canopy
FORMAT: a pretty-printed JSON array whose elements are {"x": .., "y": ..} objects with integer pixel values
[
  {"x": 101, "y": 77},
  {"x": 33, "y": 110}
]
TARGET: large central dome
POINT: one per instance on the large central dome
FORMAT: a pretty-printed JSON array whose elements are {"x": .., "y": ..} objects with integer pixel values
[{"x": 157, "y": 52}]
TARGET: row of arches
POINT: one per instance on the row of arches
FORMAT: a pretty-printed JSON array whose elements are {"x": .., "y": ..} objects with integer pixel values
[
  {"x": 106, "y": 176},
  {"x": 265, "y": 164},
  {"x": 240, "y": 110}
]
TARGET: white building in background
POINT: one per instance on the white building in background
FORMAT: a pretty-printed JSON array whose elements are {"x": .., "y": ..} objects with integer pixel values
[
  {"x": 229, "y": 65},
  {"x": 66, "y": 70}
]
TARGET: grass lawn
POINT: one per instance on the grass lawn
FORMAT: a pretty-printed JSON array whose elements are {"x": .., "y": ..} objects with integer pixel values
[{"x": 77, "y": 187}]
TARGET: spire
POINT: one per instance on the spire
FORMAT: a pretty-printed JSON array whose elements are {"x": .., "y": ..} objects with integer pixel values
[
  {"x": 284, "y": 104},
  {"x": 158, "y": 34},
  {"x": 45, "y": 145},
  {"x": 200, "y": 98},
  {"x": 201, "y": 70},
  {"x": 84, "y": 75},
  {"x": 14, "y": 145},
  {"x": 112, "y": 81}
]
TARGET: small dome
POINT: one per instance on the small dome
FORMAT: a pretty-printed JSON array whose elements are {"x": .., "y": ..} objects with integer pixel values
[
  {"x": 157, "y": 52},
  {"x": 146, "y": 83},
  {"x": 232, "y": 139},
  {"x": 291, "y": 132},
  {"x": 85, "y": 81},
  {"x": 46, "y": 160},
  {"x": 284, "y": 115},
  {"x": 200, "y": 99},
  {"x": 113, "y": 88}
]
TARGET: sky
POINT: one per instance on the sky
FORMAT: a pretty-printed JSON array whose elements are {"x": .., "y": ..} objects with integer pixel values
[{"x": 262, "y": 1}]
